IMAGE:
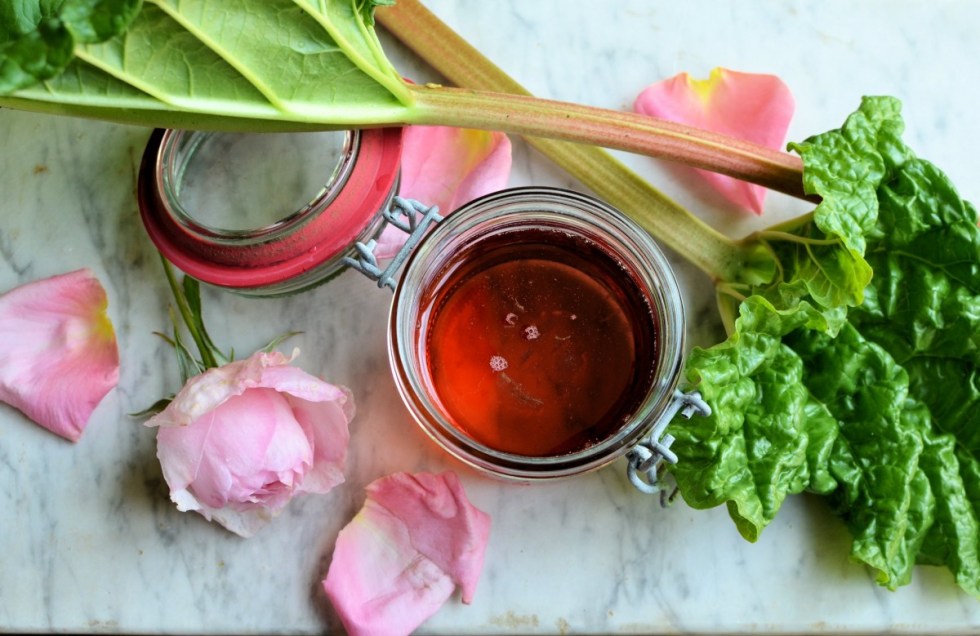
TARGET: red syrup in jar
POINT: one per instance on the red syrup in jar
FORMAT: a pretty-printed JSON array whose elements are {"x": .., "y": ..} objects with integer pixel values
[{"x": 539, "y": 343}]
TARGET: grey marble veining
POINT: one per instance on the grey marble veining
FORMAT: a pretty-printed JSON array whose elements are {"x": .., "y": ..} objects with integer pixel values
[{"x": 90, "y": 542}]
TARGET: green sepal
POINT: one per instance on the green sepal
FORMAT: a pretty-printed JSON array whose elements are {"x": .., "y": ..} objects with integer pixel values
[
  {"x": 157, "y": 407},
  {"x": 212, "y": 354}
]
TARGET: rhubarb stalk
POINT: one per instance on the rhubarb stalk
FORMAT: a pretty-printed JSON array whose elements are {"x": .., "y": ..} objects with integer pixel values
[{"x": 718, "y": 256}]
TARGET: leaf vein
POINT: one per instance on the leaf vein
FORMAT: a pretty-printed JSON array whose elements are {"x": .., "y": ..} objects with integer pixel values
[{"x": 225, "y": 55}]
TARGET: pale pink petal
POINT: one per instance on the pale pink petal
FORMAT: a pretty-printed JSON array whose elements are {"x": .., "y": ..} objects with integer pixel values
[
  {"x": 208, "y": 390},
  {"x": 294, "y": 381},
  {"x": 399, "y": 559},
  {"x": 325, "y": 424},
  {"x": 447, "y": 167},
  {"x": 225, "y": 456},
  {"x": 749, "y": 106},
  {"x": 58, "y": 352}
]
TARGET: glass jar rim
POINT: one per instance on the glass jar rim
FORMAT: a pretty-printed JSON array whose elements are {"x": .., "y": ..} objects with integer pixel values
[
  {"x": 359, "y": 187},
  {"x": 509, "y": 209}
]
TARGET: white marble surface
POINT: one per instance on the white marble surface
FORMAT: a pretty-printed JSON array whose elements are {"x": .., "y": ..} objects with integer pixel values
[{"x": 90, "y": 542}]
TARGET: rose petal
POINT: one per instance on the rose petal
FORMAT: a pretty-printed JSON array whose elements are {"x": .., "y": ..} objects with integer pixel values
[
  {"x": 398, "y": 560},
  {"x": 228, "y": 458},
  {"x": 58, "y": 352},
  {"x": 447, "y": 167},
  {"x": 239, "y": 441},
  {"x": 749, "y": 106},
  {"x": 208, "y": 390},
  {"x": 326, "y": 424}
]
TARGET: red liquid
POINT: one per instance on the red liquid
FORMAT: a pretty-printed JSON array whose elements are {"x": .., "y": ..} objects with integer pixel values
[{"x": 540, "y": 345}]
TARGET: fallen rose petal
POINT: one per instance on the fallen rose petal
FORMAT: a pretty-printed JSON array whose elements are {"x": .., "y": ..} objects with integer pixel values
[
  {"x": 58, "y": 352},
  {"x": 238, "y": 442},
  {"x": 749, "y": 106},
  {"x": 400, "y": 558},
  {"x": 447, "y": 167}
]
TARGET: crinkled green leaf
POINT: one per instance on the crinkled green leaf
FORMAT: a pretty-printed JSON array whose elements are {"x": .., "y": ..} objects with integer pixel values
[
  {"x": 38, "y": 37},
  {"x": 98, "y": 20},
  {"x": 882, "y": 491},
  {"x": 844, "y": 168},
  {"x": 925, "y": 298},
  {"x": 824, "y": 259},
  {"x": 822, "y": 429},
  {"x": 924, "y": 308},
  {"x": 951, "y": 390},
  {"x": 892, "y": 380},
  {"x": 35, "y": 55},
  {"x": 820, "y": 270},
  {"x": 953, "y": 538},
  {"x": 18, "y": 17},
  {"x": 915, "y": 309},
  {"x": 760, "y": 443}
]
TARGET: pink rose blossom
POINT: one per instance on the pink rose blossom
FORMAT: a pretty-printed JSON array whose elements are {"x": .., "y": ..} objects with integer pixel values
[
  {"x": 239, "y": 441},
  {"x": 749, "y": 106},
  {"x": 400, "y": 558},
  {"x": 58, "y": 352},
  {"x": 447, "y": 167}
]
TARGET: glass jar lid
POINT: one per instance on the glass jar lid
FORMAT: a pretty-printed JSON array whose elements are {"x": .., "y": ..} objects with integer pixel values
[{"x": 265, "y": 213}]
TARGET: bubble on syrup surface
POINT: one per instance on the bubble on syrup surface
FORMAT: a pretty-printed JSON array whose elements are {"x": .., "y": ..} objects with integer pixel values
[{"x": 498, "y": 363}]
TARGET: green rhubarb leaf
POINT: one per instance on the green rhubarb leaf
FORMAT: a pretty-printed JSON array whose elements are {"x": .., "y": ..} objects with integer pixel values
[
  {"x": 893, "y": 378},
  {"x": 925, "y": 299},
  {"x": 823, "y": 259},
  {"x": 98, "y": 20},
  {"x": 923, "y": 307},
  {"x": 280, "y": 64},
  {"x": 38, "y": 37},
  {"x": 18, "y": 17},
  {"x": 29, "y": 54},
  {"x": 953, "y": 539},
  {"x": 766, "y": 437},
  {"x": 365, "y": 8},
  {"x": 845, "y": 166},
  {"x": 820, "y": 269},
  {"x": 884, "y": 499},
  {"x": 951, "y": 390}
]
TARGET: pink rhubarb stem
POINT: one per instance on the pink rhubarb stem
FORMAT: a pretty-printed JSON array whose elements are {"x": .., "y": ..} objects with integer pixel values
[{"x": 642, "y": 134}]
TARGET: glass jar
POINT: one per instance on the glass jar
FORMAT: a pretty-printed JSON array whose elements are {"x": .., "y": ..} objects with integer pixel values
[
  {"x": 535, "y": 333},
  {"x": 222, "y": 207},
  {"x": 534, "y": 309}
]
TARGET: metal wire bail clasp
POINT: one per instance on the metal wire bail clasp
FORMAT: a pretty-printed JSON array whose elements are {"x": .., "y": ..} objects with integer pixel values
[
  {"x": 407, "y": 215},
  {"x": 646, "y": 458}
]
